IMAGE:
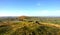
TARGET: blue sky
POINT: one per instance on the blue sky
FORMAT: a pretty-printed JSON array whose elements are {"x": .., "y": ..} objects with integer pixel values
[{"x": 30, "y": 7}]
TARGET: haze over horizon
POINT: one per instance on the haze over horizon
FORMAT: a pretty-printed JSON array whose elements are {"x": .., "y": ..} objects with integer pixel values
[{"x": 30, "y": 7}]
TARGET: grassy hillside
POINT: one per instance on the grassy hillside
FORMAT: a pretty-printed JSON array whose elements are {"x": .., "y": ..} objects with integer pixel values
[{"x": 28, "y": 26}]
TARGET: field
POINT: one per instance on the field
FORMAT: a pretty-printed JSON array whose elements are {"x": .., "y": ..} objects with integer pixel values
[{"x": 27, "y": 25}]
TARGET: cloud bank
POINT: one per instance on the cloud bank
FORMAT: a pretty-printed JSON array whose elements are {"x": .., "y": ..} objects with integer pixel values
[
  {"x": 34, "y": 13},
  {"x": 46, "y": 13}
]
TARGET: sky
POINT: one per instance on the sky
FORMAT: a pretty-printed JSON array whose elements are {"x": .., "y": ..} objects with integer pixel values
[{"x": 30, "y": 7}]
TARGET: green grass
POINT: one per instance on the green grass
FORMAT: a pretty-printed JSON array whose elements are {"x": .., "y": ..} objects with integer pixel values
[{"x": 28, "y": 28}]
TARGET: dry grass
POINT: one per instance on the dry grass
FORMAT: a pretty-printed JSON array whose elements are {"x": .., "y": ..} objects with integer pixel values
[{"x": 30, "y": 28}]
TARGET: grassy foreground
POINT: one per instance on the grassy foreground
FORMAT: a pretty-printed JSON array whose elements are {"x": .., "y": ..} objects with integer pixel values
[
  {"x": 29, "y": 25},
  {"x": 28, "y": 28}
]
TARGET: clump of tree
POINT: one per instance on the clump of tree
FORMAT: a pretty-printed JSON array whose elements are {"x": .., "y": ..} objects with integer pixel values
[{"x": 22, "y": 18}]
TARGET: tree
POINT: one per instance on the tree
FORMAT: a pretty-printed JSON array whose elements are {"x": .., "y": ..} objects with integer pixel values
[{"x": 21, "y": 18}]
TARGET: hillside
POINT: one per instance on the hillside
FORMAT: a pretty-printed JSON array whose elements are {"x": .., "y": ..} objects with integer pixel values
[{"x": 29, "y": 26}]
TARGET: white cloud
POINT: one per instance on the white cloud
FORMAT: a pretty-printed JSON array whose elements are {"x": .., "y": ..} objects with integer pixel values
[
  {"x": 47, "y": 13},
  {"x": 35, "y": 13},
  {"x": 16, "y": 13},
  {"x": 38, "y": 4}
]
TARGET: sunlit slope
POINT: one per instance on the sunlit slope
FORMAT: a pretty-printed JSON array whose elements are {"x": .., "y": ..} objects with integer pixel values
[
  {"x": 29, "y": 28},
  {"x": 51, "y": 25}
]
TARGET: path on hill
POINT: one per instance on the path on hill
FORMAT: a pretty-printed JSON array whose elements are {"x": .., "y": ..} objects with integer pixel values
[{"x": 51, "y": 24}]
